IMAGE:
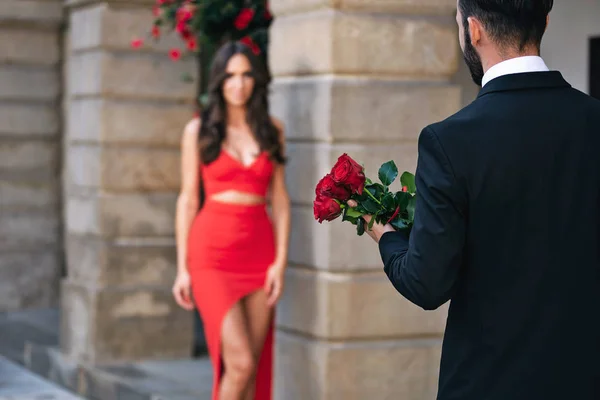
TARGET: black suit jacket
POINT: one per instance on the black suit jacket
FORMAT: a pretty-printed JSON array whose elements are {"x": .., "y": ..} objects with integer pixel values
[{"x": 507, "y": 227}]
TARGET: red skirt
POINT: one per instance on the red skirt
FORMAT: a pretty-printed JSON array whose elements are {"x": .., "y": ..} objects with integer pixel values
[{"x": 230, "y": 247}]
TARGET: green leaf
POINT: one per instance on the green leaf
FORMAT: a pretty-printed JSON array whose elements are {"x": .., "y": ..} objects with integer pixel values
[
  {"x": 351, "y": 215},
  {"x": 411, "y": 208},
  {"x": 376, "y": 189},
  {"x": 402, "y": 199},
  {"x": 389, "y": 202},
  {"x": 370, "y": 206},
  {"x": 388, "y": 173},
  {"x": 407, "y": 179},
  {"x": 203, "y": 99},
  {"x": 353, "y": 212},
  {"x": 360, "y": 228},
  {"x": 371, "y": 222}
]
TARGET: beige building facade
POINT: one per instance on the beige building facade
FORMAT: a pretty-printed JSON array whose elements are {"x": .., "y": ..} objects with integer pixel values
[{"x": 89, "y": 153}]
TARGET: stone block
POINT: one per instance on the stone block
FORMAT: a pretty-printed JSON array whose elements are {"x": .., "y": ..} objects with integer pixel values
[
  {"x": 42, "y": 12},
  {"x": 105, "y": 26},
  {"x": 29, "y": 84},
  {"x": 127, "y": 123},
  {"x": 333, "y": 42},
  {"x": 26, "y": 46},
  {"x": 18, "y": 195},
  {"x": 121, "y": 215},
  {"x": 423, "y": 7},
  {"x": 29, "y": 279},
  {"x": 120, "y": 263},
  {"x": 28, "y": 154},
  {"x": 123, "y": 168},
  {"x": 29, "y": 119},
  {"x": 106, "y": 325},
  {"x": 344, "y": 306},
  {"x": 78, "y": 316},
  {"x": 130, "y": 75},
  {"x": 31, "y": 230},
  {"x": 332, "y": 108},
  {"x": 387, "y": 370}
]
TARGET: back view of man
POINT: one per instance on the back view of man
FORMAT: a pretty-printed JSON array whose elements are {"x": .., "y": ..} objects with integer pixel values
[{"x": 507, "y": 222}]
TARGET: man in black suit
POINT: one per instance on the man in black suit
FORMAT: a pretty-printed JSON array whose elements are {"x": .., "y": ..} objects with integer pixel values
[{"x": 507, "y": 223}]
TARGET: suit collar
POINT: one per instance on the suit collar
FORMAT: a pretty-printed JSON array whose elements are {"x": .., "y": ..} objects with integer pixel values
[{"x": 523, "y": 81}]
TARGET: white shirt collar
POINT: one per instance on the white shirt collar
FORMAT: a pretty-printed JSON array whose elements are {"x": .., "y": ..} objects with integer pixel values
[{"x": 515, "y": 66}]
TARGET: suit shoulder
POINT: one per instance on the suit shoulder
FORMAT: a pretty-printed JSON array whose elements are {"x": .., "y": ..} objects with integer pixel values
[{"x": 455, "y": 123}]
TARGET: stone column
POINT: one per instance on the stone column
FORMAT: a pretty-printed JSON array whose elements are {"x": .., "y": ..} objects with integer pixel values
[
  {"x": 30, "y": 241},
  {"x": 125, "y": 110},
  {"x": 362, "y": 77}
]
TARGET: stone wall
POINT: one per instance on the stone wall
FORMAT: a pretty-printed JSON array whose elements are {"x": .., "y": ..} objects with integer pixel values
[
  {"x": 125, "y": 111},
  {"x": 30, "y": 151},
  {"x": 362, "y": 77}
]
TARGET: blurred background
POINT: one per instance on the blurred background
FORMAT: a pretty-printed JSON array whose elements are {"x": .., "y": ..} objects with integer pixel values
[{"x": 91, "y": 114}]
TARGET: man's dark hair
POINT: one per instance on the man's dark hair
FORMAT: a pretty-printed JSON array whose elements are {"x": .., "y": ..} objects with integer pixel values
[{"x": 510, "y": 23}]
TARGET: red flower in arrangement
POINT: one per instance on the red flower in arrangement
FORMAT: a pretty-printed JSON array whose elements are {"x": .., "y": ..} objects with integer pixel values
[
  {"x": 348, "y": 172},
  {"x": 243, "y": 19},
  {"x": 155, "y": 31},
  {"x": 192, "y": 44},
  {"x": 247, "y": 40},
  {"x": 184, "y": 14},
  {"x": 156, "y": 11},
  {"x": 328, "y": 187},
  {"x": 137, "y": 43},
  {"x": 175, "y": 54},
  {"x": 326, "y": 209}
]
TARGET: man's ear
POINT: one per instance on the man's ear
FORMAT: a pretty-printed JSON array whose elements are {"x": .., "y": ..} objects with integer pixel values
[{"x": 475, "y": 30}]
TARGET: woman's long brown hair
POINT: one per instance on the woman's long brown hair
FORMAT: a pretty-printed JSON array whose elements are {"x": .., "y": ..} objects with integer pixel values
[{"x": 214, "y": 116}]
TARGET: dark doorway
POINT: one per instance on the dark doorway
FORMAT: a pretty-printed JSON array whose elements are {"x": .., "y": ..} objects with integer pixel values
[{"x": 595, "y": 67}]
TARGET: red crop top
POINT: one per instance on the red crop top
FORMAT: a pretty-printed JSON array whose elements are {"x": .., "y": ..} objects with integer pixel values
[{"x": 227, "y": 173}]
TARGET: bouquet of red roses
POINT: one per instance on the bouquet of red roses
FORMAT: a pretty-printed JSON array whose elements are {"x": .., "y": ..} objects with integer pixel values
[{"x": 347, "y": 181}]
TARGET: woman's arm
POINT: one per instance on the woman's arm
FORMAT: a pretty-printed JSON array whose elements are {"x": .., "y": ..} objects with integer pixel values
[
  {"x": 187, "y": 207},
  {"x": 280, "y": 205}
]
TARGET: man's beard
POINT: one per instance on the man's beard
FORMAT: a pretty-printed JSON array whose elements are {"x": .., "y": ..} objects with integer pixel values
[{"x": 473, "y": 60}]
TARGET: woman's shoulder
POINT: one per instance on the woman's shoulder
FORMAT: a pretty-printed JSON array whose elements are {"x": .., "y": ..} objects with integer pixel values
[
  {"x": 193, "y": 125},
  {"x": 190, "y": 132}
]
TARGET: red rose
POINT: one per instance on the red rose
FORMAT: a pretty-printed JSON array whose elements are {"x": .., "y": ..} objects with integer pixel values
[
  {"x": 327, "y": 187},
  {"x": 137, "y": 43},
  {"x": 155, "y": 31},
  {"x": 184, "y": 14},
  {"x": 243, "y": 19},
  {"x": 326, "y": 209},
  {"x": 348, "y": 172},
  {"x": 191, "y": 44},
  {"x": 247, "y": 40},
  {"x": 175, "y": 54}
]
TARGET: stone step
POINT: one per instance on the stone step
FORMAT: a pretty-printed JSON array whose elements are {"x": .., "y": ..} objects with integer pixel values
[
  {"x": 17, "y": 328},
  {"x": 17, "y": 383},
  {"x": 144, "y": 380},
  {"x": 31, "y": 338}
]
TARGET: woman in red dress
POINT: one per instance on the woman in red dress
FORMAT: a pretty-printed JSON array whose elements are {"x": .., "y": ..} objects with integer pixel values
[{"x": 232, "y": 253}]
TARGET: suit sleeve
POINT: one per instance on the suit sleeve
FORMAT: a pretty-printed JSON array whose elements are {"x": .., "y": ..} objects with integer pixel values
[{"x": 424, "y": 268}]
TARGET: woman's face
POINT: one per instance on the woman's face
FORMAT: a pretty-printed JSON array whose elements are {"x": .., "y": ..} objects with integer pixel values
[{"x": 239, "y": 83}]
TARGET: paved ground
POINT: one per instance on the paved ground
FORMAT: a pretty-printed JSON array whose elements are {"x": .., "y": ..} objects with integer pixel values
[{"x": 17, "y": 383}]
